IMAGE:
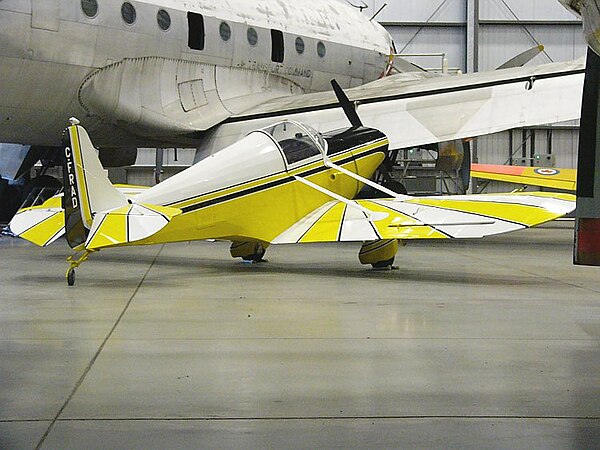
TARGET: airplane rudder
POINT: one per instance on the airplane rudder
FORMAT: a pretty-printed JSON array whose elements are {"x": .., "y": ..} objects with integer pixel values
[{"x": 76, "y": 228}]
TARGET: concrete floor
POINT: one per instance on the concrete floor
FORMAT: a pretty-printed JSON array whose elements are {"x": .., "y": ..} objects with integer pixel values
[{"x": 471, "y": 344}]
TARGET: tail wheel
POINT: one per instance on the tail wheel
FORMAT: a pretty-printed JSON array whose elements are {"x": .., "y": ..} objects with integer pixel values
[{"x": 71, "y": 277}]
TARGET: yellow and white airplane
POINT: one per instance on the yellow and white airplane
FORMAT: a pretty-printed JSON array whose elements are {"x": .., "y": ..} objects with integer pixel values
[
  {"x": 203, "y": 74},
  {"x": 282, "y": 184}
]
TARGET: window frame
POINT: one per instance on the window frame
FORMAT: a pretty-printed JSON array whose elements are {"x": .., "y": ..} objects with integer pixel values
[
  {"x": 196, "y": 31},
  {"x": 165, "y": 14},
  {"x": 123, "y": 16},
  {"x": 277, "y": 46},
  {"x": 225, "y": 26},
  {"x": 88, "y": 2}
]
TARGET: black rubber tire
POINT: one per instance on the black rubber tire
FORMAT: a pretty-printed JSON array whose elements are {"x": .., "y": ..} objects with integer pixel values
[
  {"x": 256, "y": 257},
  {"x": 71, "y": 277},
  {"x": 383, "y": 264}
]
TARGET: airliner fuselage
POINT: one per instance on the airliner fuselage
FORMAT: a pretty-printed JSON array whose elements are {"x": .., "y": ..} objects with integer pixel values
[{"x": 147, "y": 64}]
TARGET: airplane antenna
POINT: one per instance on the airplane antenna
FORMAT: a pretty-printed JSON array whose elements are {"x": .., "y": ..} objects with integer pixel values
[
  {"x": 378, "y": 11},
  {"x": 359, "y": 7},
  {"x": 348, "y": 106}
]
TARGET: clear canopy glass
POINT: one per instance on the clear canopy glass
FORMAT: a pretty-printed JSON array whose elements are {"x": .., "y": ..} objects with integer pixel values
[{"x": 297, "y": 141}]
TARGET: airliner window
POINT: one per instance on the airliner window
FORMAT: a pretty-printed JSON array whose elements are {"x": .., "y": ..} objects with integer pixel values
[
  {"x": 299, "y": 45},
  {"x": 321, "y": 50},
  {"x": 196, "y": 31},
  {"x": 164, "y": 20},
  {"x": 277, "y": 46},
  {"x": 225, "y": 31},
  {"x": 296, "y": 142},
  {"x": 89, "y": 7},
  {"x": 128, "y": 13},
  {"x": 252, "y": 36}
]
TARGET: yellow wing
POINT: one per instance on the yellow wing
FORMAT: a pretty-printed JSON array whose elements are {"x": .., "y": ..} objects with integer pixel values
[
  {"x": 446, "y": 217},
  {"x": 564, "y": 179}
]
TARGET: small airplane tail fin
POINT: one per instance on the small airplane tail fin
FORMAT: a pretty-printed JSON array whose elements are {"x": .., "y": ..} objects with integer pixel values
[
  {"x": 97, "y": 215},
  {"x": 87, "y": 187}
]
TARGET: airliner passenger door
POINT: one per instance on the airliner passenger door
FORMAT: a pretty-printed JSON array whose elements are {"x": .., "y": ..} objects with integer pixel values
[{"x": 45, "y": 14}]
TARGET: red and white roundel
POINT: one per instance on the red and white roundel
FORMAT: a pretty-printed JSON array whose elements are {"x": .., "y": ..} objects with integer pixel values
[{"x": 547, "y": 172}]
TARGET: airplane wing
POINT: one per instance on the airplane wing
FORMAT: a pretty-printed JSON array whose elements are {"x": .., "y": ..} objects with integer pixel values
[
  {"x": 419, "y": 108},
  {"x": 563, "y": 179},
  {"x": 438, "y": 217},
  {"x": 410, "y": 108}
]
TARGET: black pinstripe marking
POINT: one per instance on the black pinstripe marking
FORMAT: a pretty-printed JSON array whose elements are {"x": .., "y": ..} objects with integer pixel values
[
  {"x": 416, "y": 218},
  {"x": 276, "y": 183},
  {"x": 316, "y": 222},
  {"x": 474, "y": 214},
  {"x": 410, "y": 95},
  {"x": 38, "y": 223},
  {"x": 164, "y": 216},
  {"x": 339, "y": 238},
  {"x": 384, "y": 243},
  {"x": 344, "y": 161},
  {"x": 93, "y": 236},
  {"x": 372, "y": 226},
  {"x": 61, "y": 229}
]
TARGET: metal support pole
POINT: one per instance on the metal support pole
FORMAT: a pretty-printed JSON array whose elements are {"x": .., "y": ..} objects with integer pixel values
[
  {"x": 158, "y": 169},
  {"x": 472, "y": 54},
  {"x": 511, "y": 147},
  {"x": 532, "y": 150}
]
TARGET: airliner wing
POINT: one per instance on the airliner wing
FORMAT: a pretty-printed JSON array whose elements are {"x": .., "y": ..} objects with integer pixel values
[
  {"x": 415, "y": 109},
  {"x": 445, "y": 217},
  {"x": 564, "y": 179},
  {"x": 151, "y": 98}
]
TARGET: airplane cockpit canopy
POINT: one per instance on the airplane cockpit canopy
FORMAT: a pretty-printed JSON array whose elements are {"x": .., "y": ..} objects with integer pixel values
[{"x": 298, "y": 142}]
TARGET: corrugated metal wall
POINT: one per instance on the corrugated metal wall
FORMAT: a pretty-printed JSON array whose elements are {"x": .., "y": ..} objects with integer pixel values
[{"x": 505, "y": 29}]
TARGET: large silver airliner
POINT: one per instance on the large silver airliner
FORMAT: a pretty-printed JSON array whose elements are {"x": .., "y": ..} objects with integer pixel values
[
  {"x": 165, "y": 68},
  {"x": 203, "y": 74}
]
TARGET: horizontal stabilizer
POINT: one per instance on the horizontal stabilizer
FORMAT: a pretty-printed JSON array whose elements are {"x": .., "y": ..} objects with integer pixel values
[
  {"x": 128, "y": 224},
  {"x": 42, "y": 224},
  {"x": 442, "y": 217}
]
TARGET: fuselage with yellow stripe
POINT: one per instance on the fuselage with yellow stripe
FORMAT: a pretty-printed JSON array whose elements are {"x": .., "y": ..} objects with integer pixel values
[{"x": 216, "y": 205}]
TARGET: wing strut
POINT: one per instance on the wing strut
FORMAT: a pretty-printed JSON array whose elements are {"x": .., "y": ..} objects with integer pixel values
[
  {"x": 372, "y": 215},
  {"x": 364, "y": 180}
]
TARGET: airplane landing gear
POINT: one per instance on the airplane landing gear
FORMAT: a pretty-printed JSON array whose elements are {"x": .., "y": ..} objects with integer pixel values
[
  {"x": 73, "y": 264},
  {"x": 380, "y": 254},
  {"x": 249, "y": 251},
  {"x": 71, "y": 276}
]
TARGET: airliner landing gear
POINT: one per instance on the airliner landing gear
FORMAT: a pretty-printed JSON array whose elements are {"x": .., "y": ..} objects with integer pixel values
[
  {"x": 73, "y": 264},
  {"x": 380, "y": 254},
  {"x": 249, "y": 251}
]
